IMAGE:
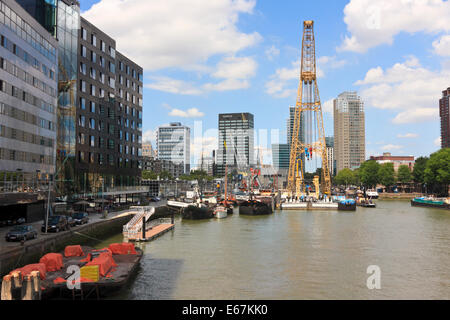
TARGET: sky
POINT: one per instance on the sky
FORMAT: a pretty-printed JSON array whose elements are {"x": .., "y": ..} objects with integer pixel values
[{"x": 205, "y": 57}]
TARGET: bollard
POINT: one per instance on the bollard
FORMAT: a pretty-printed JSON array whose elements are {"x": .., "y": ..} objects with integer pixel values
[
  {"x": 6, "y": 288},
  {"x": 27, "y": 288},
  {"x": 16, "y": 285},
  {"x": 31, "y": 289}
]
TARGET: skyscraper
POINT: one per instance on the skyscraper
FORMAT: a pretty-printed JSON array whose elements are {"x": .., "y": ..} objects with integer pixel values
[
  {"x": 236, "y": 141},
  {"x": 349, "y": 131},
  {"x": 173, "y": 143},
  {"x": 330, "y": 155},
  {"x": 445, "y": 118},
  {"x": 28, "y": 95},
  {"x": 280, "y": 156}
]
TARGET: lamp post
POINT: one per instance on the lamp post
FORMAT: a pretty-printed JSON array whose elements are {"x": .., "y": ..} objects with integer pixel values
[
  {"x": 37, "y": 179},
  {"x": 17, "y": 178}
]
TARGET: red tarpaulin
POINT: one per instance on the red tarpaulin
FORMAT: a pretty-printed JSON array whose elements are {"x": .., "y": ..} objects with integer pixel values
[
  {"x": 122, "y": 248},
  {"x": 32, "y": 267},
  {"x": 104, "y": 250},
  {"x": 73, "y": 251},
  {"x": 53, "y": 261},
  {"x": 105, "y": 263}
]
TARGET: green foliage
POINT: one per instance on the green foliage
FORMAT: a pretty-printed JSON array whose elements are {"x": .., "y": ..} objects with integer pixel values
[
  {"x": 149, "y": 175},
  {"x": 404, "y": 174},
  {"x": 386, "y": 174},
  {"x": 438, "y": 168},
  {"x": 368, "y": 173},
  {"x": 165, "y": 175},
  {"x": 345, "y": 177},
  {"x": 419, "y": 169},
  {"x": 197, "y": 175}
]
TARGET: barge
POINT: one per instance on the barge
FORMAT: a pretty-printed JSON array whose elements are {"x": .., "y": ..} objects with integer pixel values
[
  {"x": 443, "y": 203},
  {"x": 255, "y": 208},
  {"x": 102, "y": 272}
]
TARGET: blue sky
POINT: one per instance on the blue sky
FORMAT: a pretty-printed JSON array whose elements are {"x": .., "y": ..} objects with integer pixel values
[{"x": 203, "y": 57}]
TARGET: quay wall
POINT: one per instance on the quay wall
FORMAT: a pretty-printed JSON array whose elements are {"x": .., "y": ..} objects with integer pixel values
[{"x": 399, "y": 196}]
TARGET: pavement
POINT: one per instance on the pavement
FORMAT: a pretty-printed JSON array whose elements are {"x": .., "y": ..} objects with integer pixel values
[{"x": 4, "y": 245}]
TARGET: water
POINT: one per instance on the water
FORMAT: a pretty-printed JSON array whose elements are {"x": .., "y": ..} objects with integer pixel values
[{"x": 300, "y": 255}]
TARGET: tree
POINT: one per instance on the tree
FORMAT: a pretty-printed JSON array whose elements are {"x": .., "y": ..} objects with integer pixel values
[
  {"x": 404, "y": 174},
  {"x": 149, "y": 175},
  {"x": 165, "y": 175},
  {"x": 437, "y": 171},
  {"x": 344, "y": 177},
  {"x": 419, "y": 169},
  {"x": 387, "y": 174},
  {"x": 368, "y": 173}
]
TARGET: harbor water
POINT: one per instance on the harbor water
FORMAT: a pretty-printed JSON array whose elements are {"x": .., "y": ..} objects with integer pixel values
[{"x": 300, "y": 255}]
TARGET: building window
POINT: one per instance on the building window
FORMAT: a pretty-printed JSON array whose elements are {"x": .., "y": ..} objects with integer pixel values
[
  {"x": 94, "y": 40},
  {"x": 84, "y": 34},
  {"x": 82, "y": 103}
]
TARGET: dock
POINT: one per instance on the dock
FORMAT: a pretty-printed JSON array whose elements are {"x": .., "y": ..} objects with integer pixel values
[
  {"x": 310, "y": 206},
  {"x": 153, "y": 232}
]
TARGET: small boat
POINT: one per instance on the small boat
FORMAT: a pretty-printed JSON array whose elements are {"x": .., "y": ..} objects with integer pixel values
[
  {"x": 347, "y": 205},
  {"x": 372, "y": 194},
  {"x": 437, "y": 203},
  {"x": 255, "y": 208},
  {"x": 366, "y": 203},
  {"x": 220, "y": 212}
]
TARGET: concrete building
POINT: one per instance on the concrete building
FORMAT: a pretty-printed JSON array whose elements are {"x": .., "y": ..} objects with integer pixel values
[
  {"x": 28, "y": 95},
  {"x": 445, "y": 118},
  {"x": 157, "y": 166},
  {"x": 147, "y": 150},
  {"x": 349, "y": 131},
  {"x": 173, "y": 143},
  {"x": 396, "y": 160},
  {"x": 236, "y": 142},
  {"x": 329, "y": 141}
]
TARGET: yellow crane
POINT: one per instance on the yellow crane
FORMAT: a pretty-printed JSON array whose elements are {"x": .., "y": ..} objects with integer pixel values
[{"x": 308, "y": 118}]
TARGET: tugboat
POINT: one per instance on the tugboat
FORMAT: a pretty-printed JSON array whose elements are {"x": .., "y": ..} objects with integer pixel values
[
  {"x": 372, "y": 194},
  {"x": 255, "y": 208},
  {"x": 366, "y": 203},
  {"x": 347, "y": 205}
]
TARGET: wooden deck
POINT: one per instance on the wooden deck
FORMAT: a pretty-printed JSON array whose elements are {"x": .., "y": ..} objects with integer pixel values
[{"x": 154, "y": 232}]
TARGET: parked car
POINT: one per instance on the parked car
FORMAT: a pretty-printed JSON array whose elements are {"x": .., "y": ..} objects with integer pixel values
[
  {"x": 71, "y": 221},
  {"x": 154, "y": 199},
  {"x": 21, "y": 221},
  {"x": 56, "y": 224},
  {"x": 81, "y": 218},
  {"x": 20, "y": 233}
]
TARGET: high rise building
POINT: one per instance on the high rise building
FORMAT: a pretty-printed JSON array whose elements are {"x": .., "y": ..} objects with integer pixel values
[
  {"x": 173, "y": 143},
  {"x": 349, "y": 131},
  {"x": 236, "y": 142},
  {"x": 280, "y": 156},
  {"x": 28, "y": 95},
  {"x": 290, "y": 126},
  {"x": 99, "y": 103},
  {"x": 329, "y": 141},
  {"x": 445, "y": 118}
]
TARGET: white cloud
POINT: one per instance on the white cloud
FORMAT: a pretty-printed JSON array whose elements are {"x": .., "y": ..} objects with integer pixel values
[
  {"x": 372, "y": 23},
  {"x": 391, "y": 147},
  {"x": 176, "y": 33},
  {"x": 235, "y": 71},
  {"x": 408, "y": 136},
  {"x": 437, "y": 142},
  {"x": 406, "y": 87},
  {"x": 272, "y": 53},
  {"x": 190, "y": 113},
  {"x": 149, "y": 136},
  {"x": 171, "y": 85},
  {"x": 442, "y": 46},
  {"x": 282, "y": 84},
  {"x": 328, "y": 106}
]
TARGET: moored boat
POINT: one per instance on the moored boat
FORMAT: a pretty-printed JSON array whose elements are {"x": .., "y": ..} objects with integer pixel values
[
  {"x": 347, "y": 205},
  {"x": 197, "y": 212},
  {"x": 372, "y": 194},
  {"x": 220, "y": 212},
  {"x": 438, "y": 203},
  {"x": 255, "y": 208}
]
